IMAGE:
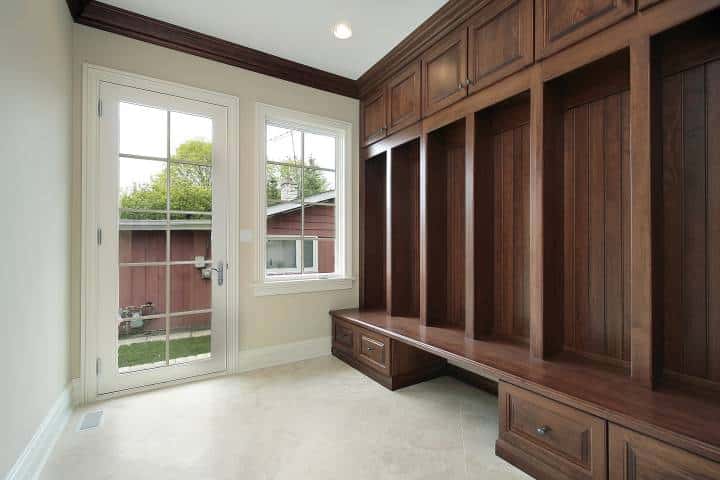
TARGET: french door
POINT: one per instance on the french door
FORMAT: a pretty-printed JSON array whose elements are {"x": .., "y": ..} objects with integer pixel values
[{"x": 162, "y": 235}]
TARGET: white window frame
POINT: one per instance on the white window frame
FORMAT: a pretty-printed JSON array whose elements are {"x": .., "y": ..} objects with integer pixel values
[
  {"x": 298, "y": 256},
  {"x": 307, "y": 282}
]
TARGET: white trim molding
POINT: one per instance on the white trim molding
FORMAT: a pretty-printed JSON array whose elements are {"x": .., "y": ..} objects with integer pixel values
[
  {"x": 275, "y": 355},
  {"x": 92, "y": 77},
  {"x": 341, "y": 278},
  {"x": 33, "y": 458}
]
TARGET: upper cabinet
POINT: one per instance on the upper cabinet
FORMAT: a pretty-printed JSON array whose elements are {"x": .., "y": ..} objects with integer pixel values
[
  {"x": 403, "y": 98},
  {"x": 444, "y": 72},
  {"x": 373, "y": 115},
  {"x": 499, "y": 41},
  {"x": 560, "y": 23}
]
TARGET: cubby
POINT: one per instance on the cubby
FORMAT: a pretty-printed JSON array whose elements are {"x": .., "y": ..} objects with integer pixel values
[
  {"x": 501, "y": 212},
  {"x": 587, "y": 211},
  {"x": 445, "y": 226},
  {"x": 686, "y": 230},
  {"x": 404, "y": 225},
  {"x": 374, "y": 241}
]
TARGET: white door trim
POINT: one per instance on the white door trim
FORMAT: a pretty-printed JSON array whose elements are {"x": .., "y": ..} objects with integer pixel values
[{"x": 92, "y": 76}]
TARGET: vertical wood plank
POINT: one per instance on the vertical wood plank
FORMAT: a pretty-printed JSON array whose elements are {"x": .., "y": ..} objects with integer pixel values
[
  {"x": 423, "y": 229},
  {"x": 695, "y": 293},
  {"x": 713, "y": 219},
  {"x": 672, "y": 222},
  {"x": 640, "y": 213},
  {"x": 569, "y": 227},
  {"x": 469, "y": 264},
  {"x": 498, "y": 229},
  {"x": 522, "y": 313},
  {"x": 390, "y": 307},
  {"x": 595, "y": 321},
  {"x": 537, "y": 143},
  {"x": 625, "y": 192},
  {"x": 508, "y": 247},
  {"x": 581, "y": 255}
]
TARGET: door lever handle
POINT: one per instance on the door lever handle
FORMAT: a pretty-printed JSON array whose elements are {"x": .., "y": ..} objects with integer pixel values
[{"x": 220, "y": 270}]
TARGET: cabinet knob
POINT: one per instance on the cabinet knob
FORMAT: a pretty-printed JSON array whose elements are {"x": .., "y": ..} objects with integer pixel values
[
  {"x": 461, "y": 85},
  {"x": 370, "y": 349},
  {"x": 542, "y": 430}
]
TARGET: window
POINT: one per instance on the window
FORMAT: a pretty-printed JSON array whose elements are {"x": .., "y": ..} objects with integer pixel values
[{"x": 304, "y": 218}]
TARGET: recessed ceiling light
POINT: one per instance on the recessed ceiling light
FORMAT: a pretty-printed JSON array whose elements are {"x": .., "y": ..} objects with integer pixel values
[{"x": 342, "y": 31}]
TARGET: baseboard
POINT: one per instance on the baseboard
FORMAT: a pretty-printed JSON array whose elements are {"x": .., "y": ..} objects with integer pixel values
[
  {"x": 32, "y": 460},
  {"x": 281, "y": 354}
]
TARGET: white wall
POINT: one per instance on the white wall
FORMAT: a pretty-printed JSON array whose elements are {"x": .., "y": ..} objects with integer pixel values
[
  {"x": 264, "y": 321},
  {"x": 35, "y": 185}
]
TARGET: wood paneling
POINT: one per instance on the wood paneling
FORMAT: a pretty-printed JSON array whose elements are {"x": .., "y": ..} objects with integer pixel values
[
  {"x": 445, "y": 217},
  {"x": 444, "y": 72},
  {"x": 130, "y": 24},
  {"x": 374, "y": 244},
  {"x": 373, "y": 116},
  {"x": 404, "y": 247},
  {"x": 637, "y": 457},
  {"x": 597, "y": 162},
  {"x": 560, "y": 23},
  {"x": 500, "y": 41},
  {"x": 404, "y": 98},
  {"x": 690, "y": 159}
]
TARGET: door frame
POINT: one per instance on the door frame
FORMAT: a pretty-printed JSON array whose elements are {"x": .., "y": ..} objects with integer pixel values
[{"x": 92, "y": 76}]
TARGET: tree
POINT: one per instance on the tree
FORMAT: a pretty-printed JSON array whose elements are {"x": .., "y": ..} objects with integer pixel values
[{"x": 312, "y": 179}]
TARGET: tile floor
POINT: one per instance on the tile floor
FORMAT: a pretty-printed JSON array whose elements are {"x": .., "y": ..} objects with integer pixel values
[{"x": 318, "y": 419}]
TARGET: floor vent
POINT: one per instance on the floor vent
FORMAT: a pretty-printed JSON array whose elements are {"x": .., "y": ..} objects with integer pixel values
[{"x": 90, "y": 420}]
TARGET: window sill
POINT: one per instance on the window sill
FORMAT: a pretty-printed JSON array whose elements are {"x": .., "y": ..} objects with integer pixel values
[{"x": 309, "y": 285}]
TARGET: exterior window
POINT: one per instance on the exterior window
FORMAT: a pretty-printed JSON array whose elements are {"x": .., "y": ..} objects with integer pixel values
[{"x": 304, "y": 215}]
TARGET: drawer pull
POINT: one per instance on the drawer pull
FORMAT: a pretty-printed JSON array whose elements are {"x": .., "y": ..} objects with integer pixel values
[
  {"x": 370, "y": 349},
  {"x": 542, "y": 430}
]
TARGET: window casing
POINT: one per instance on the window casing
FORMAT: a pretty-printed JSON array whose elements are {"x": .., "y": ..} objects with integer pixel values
[{"x": 304, "y": 177}]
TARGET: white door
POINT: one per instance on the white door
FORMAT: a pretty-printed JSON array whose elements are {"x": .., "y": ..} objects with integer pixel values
[{"x": 162, "y": 235}]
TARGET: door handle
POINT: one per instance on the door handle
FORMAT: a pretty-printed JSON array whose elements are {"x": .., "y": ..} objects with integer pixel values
[{"x": 220, "y": 270}]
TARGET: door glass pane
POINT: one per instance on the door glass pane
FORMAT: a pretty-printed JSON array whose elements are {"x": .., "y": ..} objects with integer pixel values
[
  {"x": 190, "y": 337},
  {"x": 320, "y": 151},
  {"x": 137, "y": 246},
  {"x": 142, "y": 289},
  {"x": 195, "y": 244},
  {"x": 190, "y": 288},
  {"x": 190, "y": 138},
  {"x": 143, "y": 186},
  {"x": 143, "y": 130},
  {"x": 283, "y": 145},
  {"x": 190, "y": 188}
]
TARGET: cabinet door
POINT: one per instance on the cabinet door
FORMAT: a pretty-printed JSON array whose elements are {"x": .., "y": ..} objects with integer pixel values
[
  {"x": 403, "y": 92},
  {"x": 444, "y": 69},
  {"x": 374, "y": 125},
  {"x": 499, "y": 41},
  {"x": 560, "y": 23},
  {"x": 637, "y": 457}
]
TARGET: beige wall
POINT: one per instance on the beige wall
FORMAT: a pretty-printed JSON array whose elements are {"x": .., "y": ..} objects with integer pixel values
[
  {"x": 264, "y": 321},
  {"x": 35, "y": 168}
]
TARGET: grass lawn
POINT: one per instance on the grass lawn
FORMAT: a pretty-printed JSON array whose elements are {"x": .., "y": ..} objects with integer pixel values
[{"x": 150, "y": 352}]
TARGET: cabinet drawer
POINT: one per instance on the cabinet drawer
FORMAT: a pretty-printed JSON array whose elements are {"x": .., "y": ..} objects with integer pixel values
[
  {"x": 374, "y": 351},
  {"x": 343, "y": 336},
  {"x": 637, "y": 457},
  {"x": 566, "y": 439}
]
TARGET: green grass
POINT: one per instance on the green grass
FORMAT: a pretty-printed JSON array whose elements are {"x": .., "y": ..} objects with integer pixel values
[{"x": 150, "y": 352}]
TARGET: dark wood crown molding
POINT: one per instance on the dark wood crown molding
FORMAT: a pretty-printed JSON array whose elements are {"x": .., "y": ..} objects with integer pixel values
[
  {"x": 450, "y": 16},
  {"x": 123, "y": 22}
]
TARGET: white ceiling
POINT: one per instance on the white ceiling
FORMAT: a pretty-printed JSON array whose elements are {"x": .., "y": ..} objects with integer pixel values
[{"x": 298, "y": 30}]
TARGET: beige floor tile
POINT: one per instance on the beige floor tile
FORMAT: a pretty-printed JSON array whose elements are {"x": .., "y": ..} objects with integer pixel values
[{"x": 318, "y": 419}]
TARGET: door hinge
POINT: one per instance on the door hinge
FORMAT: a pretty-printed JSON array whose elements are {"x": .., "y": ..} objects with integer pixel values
[
  {"x": 97, "y": 366},
  {"x": 99, "y": 108},
  {"x": 99, "y": 236}
]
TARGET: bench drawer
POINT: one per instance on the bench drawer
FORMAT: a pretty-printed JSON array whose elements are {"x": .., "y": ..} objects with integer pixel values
[
  {"x": 374, "y": 350},
  {"x": 562, "y": 437},
  {"x": 343, "y": 336}
]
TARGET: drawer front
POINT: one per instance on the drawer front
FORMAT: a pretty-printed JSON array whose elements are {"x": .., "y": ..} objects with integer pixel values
[
  {"x": 565, "y": 438},
  {"x": 343, "y": 336},
  {"x": 637, "y": 457},
  {"x": 374, "y": 351}
]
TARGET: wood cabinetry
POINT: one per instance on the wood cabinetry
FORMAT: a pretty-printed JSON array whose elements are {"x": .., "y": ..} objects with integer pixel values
[
  {"x": 500, "y": 41},
  {"x": 561, "y": 23},
  {"x": 444, "y": 72},
  {"x": 633, "y": 456},
  {"x": 373, "y": 115},
  {"x": 561, "y": 438},
  {"x": 403, "y": 98},
  {"x": 389, "y": 362}
]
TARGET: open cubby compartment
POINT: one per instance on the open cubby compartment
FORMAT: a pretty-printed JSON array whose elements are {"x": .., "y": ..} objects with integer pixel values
[
  {"x": 686, "y": 216},
  {"x": 501, "y": 234},
  {"x": 404, "y": 274},
  {"x": 375, "y": 221},
  {"x": 586, "y": 220},
  {"x": 445, "y": 226}
]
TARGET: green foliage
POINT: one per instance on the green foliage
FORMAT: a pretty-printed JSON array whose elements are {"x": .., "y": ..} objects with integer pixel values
[
  {"x": 313, "y": 180},
  {"x": 190, "y": 185}
]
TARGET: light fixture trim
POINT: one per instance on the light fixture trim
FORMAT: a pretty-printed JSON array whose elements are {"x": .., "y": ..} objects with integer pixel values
[{"x": 342, "y": 30}]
